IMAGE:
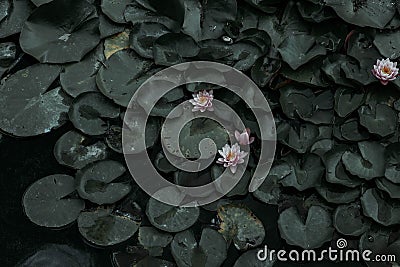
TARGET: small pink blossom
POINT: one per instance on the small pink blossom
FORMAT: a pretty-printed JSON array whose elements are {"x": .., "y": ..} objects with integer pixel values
[
  {"x": 385, "y": 70},
  {"x": 231, "y": 156},
  {"x": 202, "y": 101},
  {"x": 244, "y": 138}
]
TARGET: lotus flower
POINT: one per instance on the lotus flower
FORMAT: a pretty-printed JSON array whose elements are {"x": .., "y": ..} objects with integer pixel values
[
  {"x": 385, "y": 70},
  {"x": 244, "y": 138},
  {"x": 231, "y": 156},
  {"x": 202, "y": 101}
]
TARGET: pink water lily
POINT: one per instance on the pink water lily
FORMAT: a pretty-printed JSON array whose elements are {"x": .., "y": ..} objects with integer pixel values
[
  {"x": 244, "y": 138},
  {"x": 385, "y": 70},
  {"x": 202, "y": 101},
  {"x": 231, "y": 156}
]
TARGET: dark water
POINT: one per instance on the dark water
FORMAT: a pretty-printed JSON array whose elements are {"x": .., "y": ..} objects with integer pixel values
[{"x": 23, "y": 161}]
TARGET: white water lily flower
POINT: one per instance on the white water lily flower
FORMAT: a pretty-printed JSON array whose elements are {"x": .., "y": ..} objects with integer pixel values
[
  {"x": 202, "y": 101},
  {"x": 385, "y": 70},
  {"x": 244, "y": 138},
  {"x": 231, "y": 156}
]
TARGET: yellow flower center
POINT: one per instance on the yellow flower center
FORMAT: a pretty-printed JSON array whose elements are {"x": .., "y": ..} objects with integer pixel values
[
  {"x": 230, "y": 156},
  {"x": 386, "y": 70},
  {"x": 202, "y": 99}
]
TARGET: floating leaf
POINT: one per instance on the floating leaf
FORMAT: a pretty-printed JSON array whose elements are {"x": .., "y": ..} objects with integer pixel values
[
  {"x": 388, "y": 44},
  {"x": 153, "y": 262},
  {"x": 347, "y": 101},
  {"x": 27, "y": 106},
  {"x": 368, "y": 165},
  {"x": 47, "y": 202},
  {"x": 122, "y": 75},
  {"x": 66, "y": 36},
  {"x": 153, "y": 240},
  {"x": 14, "y": 16},
  {"x": 95, "y": 182},
  {"x": 250, "y": 258},
  {"x": 383, "y": 211},
  {"x": 76, "y": 150},
  {"x": 115, "y": 9},
  {"x": 391, "y": 188},
  {"x": 170, "y": 218},
  {"x": 239, "y": 224},
  {"x": 349, "y": 220},
  {"x": 380, "y": 119},
  {"x": 264, "y": 69},
  {"x": 89, "y": 112},
  {"x": 338, "y": 194},
  {"x": 392, "y": 155},
  {"x": 114, "y": 138},
  {"x": 210, "y": 251},
  {"x": 143, "y": 36},
  {"x": 311, "y": 233},
  {"x": 102, "y": 227},
  {"x": 78, "y": 78}
]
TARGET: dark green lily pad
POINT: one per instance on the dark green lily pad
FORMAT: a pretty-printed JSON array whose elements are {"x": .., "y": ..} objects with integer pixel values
[
  {"x": 382, "y": 210},
  {"x": 153, "y": 262},
  {"x": 335, "y": 170},
  {"x": 27, "y": 106},
  {"x": 107, "y": 27},
  {"x": 347, "y": 100},
  {"x": 47, "y": 202},
  {"x": 270, "y": 190},
  {"x": 211, "y": 250},
  {"x": 115, "y": 9},
  {"x": 153, "y": 240},
  {"x": 333, "y": 67},
  {"x": 368, "y": 165},
  {"x": 249, "y": 258},
  {"x": 114, "y": 138},
  {"x": 349, "y": 220},
  {"x": 89, "y": 113},
  {"x": 172, "y": 48},
  {"x": 143, "y": 36},
  {"x": 40, "y": 2},
  {"x": 14, "y": 16},
  {"x": 122, "y": 75},
  {"x": 309, "y": 73},
  {"x": 306, "y": 171},
  {"x": 170, "y": 218},
  {"x": 240, "y": 189},
  {"x": 76, "y": 150},
  {"x": 338, "y": 194},
  {"x": 8, "y": 53},
  {"x": 65, "y": 36},
  {"x": 314, "y": 12},
  {"x": 296, "y": 50},
  {"x": 351, "y": 130},
  {"x": 364, "y": 13},
  {"x": 264, "y": 69},
  {"x": 78, "y": 78},
  {"x": 206, "y": 20},
  {"x": 391, "y": 188},
  {"x": 388, "y": 44},
  {"x": 298, "y": 137},
  {"x": 102, "y": 227},
  {"x": 4, "y": 9},
  {"x": 392, "y": 155},
  {"x": 379, "y": 119},
  {"x": 311, "y": 233},
  {"x": 95, "y": 182},
  {"x": 239, "y": 224}
]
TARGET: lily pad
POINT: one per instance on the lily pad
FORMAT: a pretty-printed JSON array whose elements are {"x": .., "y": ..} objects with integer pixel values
[
  {"x": 122, "y": 75},
  {"x": 296, "y": 50},
  {"x": 264, "y": 69},
  {"x": 89, "y": 113},
  {"x": 250, "y": 258},
  {"x": 170, "y": 218},
  {"x": 312, "y": 233},
  {"x": 383, "y": 211},
  {"x": 392, "y": 154},
  {"x": 95, "y": 182},
  {"x": 65, "y": 36},
  {"x": 210, "y": 251},
  {"x": 173, "y": 48},
  {"x": 379, "y": 119},
  {"x": 391, "y": 188},
  {"x": 27, "y": 106},
  {"x": 114, "y": 138},
  {"x": 239, "y": 224},
  {"x": 14, "y": 16},
  {"x": 102, "y": 227},
  {"x": 78, "y": 78},
  {"x": 388, "y": 44},
  {"x": 115, "y": 9},
  {"x": 347, "y": 100},
  {"x": 374, "y": 14},
  {"x": 153, "y": 262},
  {"x": 338, "y": 194},
  {"x": 48, "y": 201},
  {"x": 349, "y": 220},
  {"x": 368, "y": 165},
  {"x": 153, "y": 239},
  {"x": 76, "y": 150},
  {"x": 143, "y": 36}
]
